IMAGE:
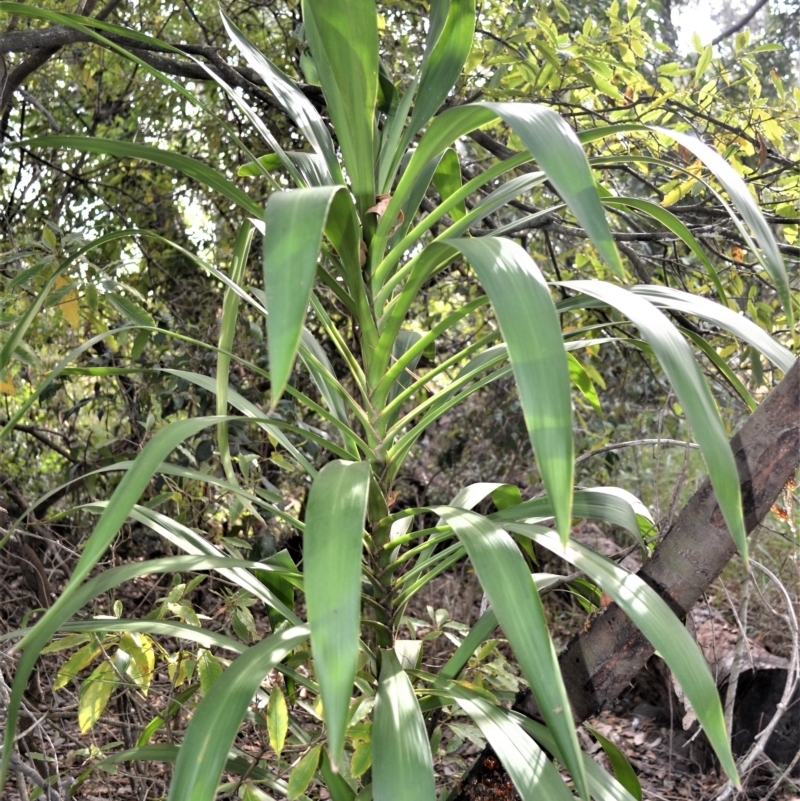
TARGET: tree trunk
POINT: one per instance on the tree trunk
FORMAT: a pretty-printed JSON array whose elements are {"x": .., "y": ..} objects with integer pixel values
[{"x": 600, "y": 662}]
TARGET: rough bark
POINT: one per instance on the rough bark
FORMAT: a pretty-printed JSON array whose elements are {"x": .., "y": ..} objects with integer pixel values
[{"x": 600, "y": 662}]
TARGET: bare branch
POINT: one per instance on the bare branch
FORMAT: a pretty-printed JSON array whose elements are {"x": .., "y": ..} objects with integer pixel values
[{"x": 740, "y": 23}]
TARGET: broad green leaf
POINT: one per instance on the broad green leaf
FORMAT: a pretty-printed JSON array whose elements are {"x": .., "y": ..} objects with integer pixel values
[
  {"x": 442, "y": 63},
  {"x": 604, "y": 787},
  {"x": 556, "y": 148},
  {"x": 294, "y": 102},
  {"x": 512, "y": 593},
  {"x": 216, "y": 720},
  {"x": 747, "y": 207},
  {"x": 128, "y": 309},
  {"x": 550, "y": 141},
  {"x": 530, "y": 327},
  {"x": 61, "y": 644},
  {"x": 658, "y": 623},
  {"x": 343, "y": 35},
  {"x": 303, "y": 772},
  {"x": 294, "y": 223},
  {"x": 277, "y": 718},
  {"x": 668, "y": 298},
  {"x": 619, "y": 764},
  {"x": 175, "y": 161},
  {"x": 693, "y": 393},
  {"x": 609, "y": 504},
  {"x": 337, "y": 505},
  {"x": 94, "y": 695},
  {"x": 209, "y": 669},
  {"x": 402, "y": 769},
  {"x": 533, "y": 774}
]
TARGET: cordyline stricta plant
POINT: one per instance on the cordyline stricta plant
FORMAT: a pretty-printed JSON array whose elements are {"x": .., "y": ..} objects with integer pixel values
[{"x": 342, "y": 228}]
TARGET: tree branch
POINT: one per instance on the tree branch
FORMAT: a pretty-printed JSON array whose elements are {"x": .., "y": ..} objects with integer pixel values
[
  {"x": 740, "y": 23},
  {"x": 43, "y": 42}
]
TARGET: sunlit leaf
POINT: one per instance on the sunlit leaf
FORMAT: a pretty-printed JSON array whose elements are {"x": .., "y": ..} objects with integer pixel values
[
  {"x": 332, "y": 546},
  {"x": 277, "y": 719},
  {"x": 511, "y": 591},
  {"x": 402, "y": 769},
  {"x": 95, "y": 694},
  {"x": 532, "y": 332}
]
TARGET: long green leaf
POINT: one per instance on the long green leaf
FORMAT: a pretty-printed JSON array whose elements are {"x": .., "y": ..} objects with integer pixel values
[
  {"x": 447, "y": 180},
  {"x": 619, "y": 764},
  {"x": 402, "y": 769},
  {"x": 250, "y": 410},
  {"x": 294, "y": 102},
  {"x": 294, "y": 223},
  {"x": 747, "y": 207},
  {"x": 693, "y": 393},
  {"x": 671, "y": 223},
  {"x": 604, "y": 787},
  {"x": 533, "y": 774},
  {"x": 511, "y": 591},
  {"x": 531, "y": 329},
  {"x": 609, "y": 504},
  {"x": 175, "y": 161},
  {"x": 227, "y": 332},
  {"x": 442, "y": 64},
  {"x": 343, "y": 35},
  {"x": 668, "y": 298},
  {"x": 658, "y": 623},
  {"x": 550, "y": 141},
  {"x": 192, "y": 543},
  {"x": 337, "y": 505},
  {"x": 216, "y": 720},
  {"x": 486, "y": 624}
]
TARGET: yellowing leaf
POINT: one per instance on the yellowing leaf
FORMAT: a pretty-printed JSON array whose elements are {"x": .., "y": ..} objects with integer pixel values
[
  {"x": 277, "y": 719},
  {"x": 303, "y": 773},
  {"x": 69, "y": 305},
  {"x": 81, "y": 659},
  {"x": 140, "y": 648},
  {"x": 6, "y": 384},
  {"x": 674, "y": 195},
  {"x": 95, "y": 692}
]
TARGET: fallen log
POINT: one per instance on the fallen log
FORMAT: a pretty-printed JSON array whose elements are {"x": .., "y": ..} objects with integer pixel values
[{"x": 600, "y": 662}]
